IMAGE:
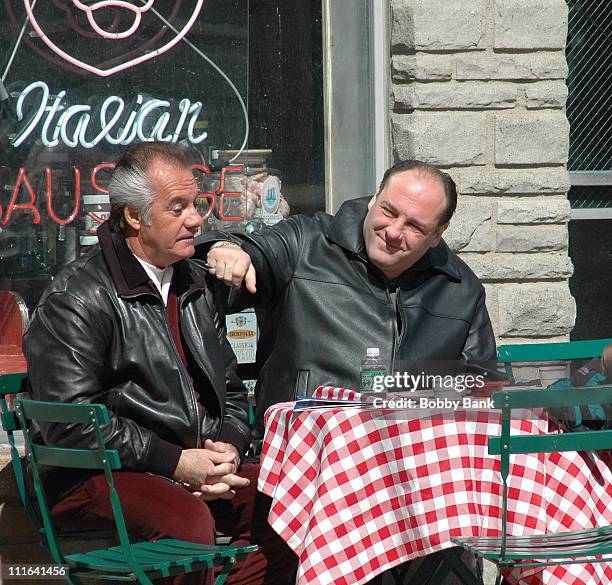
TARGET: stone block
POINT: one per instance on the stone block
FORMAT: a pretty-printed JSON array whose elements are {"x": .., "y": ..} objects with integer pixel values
[
  {"x": 438, "y": 25},
  {"x": 458, "y": 139},
  {"x": 530, "y": 211},
  {"x": 508, "y": 267},
  {"x": 553, "y": 339},
  {"x": 547, "y": 94},
  {"x": 511, "y": 181},
  {"x": 530, "y": 24},
  {"x": 532, "y": 66},
  {"x": 421, "y": 67},
  {"x": 529, "y": 139},
  {"x": 454, "y": 96},
  {"x": 531, "y": 239},
  {"x": 536, "y": 310},
  {"x": 470, "y": 228}
]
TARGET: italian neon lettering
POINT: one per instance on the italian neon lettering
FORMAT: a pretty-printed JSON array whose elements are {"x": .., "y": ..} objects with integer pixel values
[{"x": 77, "y": 125}]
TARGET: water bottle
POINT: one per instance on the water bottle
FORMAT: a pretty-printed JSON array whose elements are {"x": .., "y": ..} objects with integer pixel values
[{"x": 372, "y": 372}]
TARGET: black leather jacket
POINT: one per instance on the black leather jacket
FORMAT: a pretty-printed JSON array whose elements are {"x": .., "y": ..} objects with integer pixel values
[
  {"x": 325, "y": 304},
  {"x": 100, "y": 334}
]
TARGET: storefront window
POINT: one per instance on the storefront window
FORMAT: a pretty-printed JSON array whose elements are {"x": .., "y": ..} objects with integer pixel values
[
  {"x": 239, "y": 82},
  {"x": 286, "y": 96},
  {"x": 283, "y": 105}
]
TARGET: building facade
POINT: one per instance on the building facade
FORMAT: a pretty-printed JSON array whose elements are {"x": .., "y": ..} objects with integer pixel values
[
  {"x": 322, "y": 95},
  {"x": 478, "y": 87}
]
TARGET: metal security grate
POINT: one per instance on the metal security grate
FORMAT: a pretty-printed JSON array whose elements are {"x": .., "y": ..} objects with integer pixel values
[{"x": 589, "y": 106}]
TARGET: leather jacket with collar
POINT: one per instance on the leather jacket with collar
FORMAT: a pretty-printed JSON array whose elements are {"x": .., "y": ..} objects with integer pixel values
[
  {"x": 100, "y": 334},
  {"x": 324, "y": 303}
]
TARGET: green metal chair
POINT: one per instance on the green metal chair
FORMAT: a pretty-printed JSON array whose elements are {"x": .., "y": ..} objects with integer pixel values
[
  {"x": 583, "y": 546},
  {"x": 540, "y": 352},
  {"x": 136, "y": 562}
]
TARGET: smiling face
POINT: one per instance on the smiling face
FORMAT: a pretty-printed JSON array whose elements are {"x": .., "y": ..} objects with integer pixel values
[
  {"x": 402, "y": 222},
  {"x": 168, "y": 236}
]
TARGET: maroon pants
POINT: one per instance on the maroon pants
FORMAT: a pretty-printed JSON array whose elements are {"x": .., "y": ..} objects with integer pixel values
[{"x": 155, "y": 507}]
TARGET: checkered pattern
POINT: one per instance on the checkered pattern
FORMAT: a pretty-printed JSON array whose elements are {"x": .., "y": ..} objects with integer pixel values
[{"x": 356, "y": 492}]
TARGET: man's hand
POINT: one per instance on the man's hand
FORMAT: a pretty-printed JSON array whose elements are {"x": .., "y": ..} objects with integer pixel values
[
  {"x": 223, "y": 486},
  {"x": 220, "y": 480},
  {"x": 224, "y": 448},
  {"x": 196, "y": 465},
  {"x": 229, "y": 263}
]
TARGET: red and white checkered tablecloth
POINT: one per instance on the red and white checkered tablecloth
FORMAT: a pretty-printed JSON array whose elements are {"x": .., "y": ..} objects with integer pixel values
[{"x": 355, "y": 492}]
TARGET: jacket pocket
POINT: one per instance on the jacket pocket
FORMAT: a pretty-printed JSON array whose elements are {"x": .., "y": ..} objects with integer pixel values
[{"x": 301, "y": 384}]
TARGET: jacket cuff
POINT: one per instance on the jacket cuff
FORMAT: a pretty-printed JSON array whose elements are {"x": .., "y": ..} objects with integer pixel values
[
  {"x": 230, "y": 434},
  {"x": 162, "y": 457},
  {"x": 205, "y": 241}
]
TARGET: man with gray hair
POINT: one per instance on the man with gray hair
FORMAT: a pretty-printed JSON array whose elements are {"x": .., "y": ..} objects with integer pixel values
[{"x": 135, "y": 325}]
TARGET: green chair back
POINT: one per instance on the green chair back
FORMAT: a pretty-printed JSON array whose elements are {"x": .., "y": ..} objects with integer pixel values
[
  {"x": 592, "y": 545},
  {"x": 11, "y": 386},
  {"x": 541, "y": 352},
  {"x": 565, "y": 350},
  {"x": 139, "y": 562}
]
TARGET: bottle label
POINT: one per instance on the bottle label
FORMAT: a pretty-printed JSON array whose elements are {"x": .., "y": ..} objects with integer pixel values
[
  {"x": 94, "y": 220},
  {"x": 367, "y": 379},
  {"x": 270, "y": 195}
]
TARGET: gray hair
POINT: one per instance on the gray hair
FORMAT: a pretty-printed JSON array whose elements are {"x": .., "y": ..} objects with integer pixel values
[
  {"x": 129, "y": 188},
  {"x": 129, "y": 185}
]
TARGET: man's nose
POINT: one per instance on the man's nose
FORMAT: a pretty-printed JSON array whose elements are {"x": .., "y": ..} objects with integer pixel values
[
  {"x": 394, "y": 231},
  {"x": 194, "y": 220}
]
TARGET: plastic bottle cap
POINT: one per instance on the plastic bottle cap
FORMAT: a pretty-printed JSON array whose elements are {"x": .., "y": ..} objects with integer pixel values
[{"x": 372, "y": 352}]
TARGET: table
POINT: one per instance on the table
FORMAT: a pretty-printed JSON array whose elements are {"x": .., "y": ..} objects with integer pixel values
[{"x": 356, "y": 491}]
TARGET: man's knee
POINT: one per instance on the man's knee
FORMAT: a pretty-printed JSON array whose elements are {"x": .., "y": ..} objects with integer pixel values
[
  {"x": 153, "y": 508},
  {"x": 188, "y": 520},
  {"x": 167, "y": 510}
]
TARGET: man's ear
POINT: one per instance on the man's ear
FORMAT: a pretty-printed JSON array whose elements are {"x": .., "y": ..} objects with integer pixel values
[
  {"x": 372, "y": 201},
  {"x": 438, "y": 235},
  {"x": 132, "y": 218}
]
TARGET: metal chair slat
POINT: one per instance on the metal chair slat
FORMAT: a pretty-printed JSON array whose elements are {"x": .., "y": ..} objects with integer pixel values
[
  {"x": 592, "y": 545},
  {"x": 141, "y": 561}
]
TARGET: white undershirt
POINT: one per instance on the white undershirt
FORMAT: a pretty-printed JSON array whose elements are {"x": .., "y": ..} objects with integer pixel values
[{"x": 161, "y": 277}]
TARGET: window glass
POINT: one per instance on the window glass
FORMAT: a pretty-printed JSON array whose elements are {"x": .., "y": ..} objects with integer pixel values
[
  {"x": 239, "y": 82},
  {"x": 589, "y": 110},
  {"x": 286, "y": 96},
  {"x": 589, "y": 103}
]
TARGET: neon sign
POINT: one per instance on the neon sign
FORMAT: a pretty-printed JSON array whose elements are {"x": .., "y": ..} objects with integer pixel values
[
  {"x": 137, "y": 10},
  {"x": 77, "y": 125},
  {"x": 113, "y": 36},
  {"x": 29, "y": 203}
]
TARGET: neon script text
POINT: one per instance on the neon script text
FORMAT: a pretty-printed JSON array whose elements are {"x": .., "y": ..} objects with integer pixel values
[{"x": 78, "y": 125}]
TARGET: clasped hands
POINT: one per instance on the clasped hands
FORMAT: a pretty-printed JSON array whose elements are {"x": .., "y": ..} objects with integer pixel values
[{"x": 210, "y": 472}]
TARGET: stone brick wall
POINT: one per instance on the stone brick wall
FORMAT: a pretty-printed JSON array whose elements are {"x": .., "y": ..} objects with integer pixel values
[{"x": 478, "y": 88}]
